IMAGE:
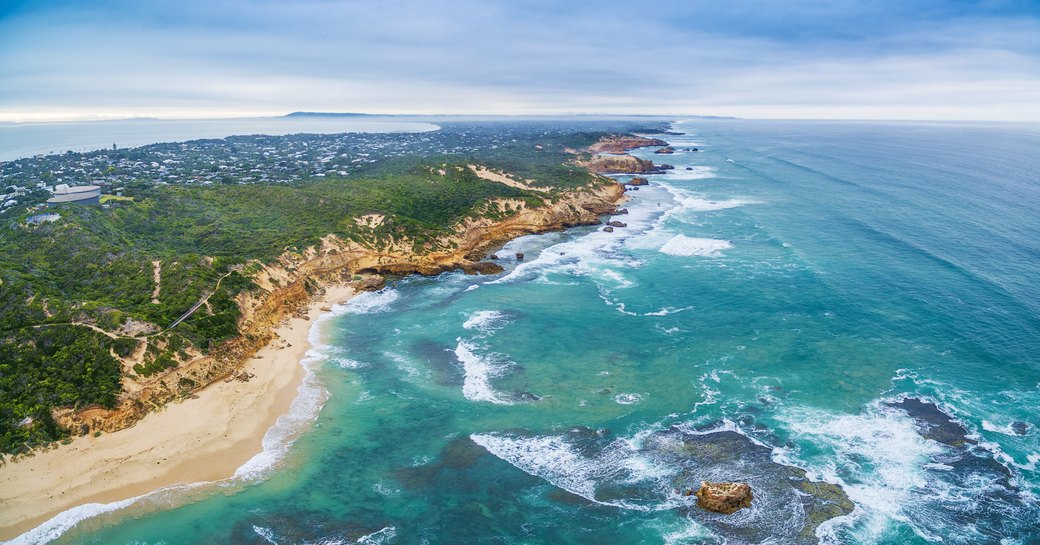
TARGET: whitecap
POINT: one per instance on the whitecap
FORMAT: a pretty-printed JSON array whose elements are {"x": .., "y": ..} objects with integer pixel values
[
  {"x": 479, "y": 370},
  {"x": 485, "y": 321},
  {"x": 628, "y": 399},
  {"x": 555, "y": 460},
  {"x": 682, "y": 245},
  {"x": 376, "y": 538},
  {"x": 265, "y": 533},
  {"x": 695, "y": 172}
]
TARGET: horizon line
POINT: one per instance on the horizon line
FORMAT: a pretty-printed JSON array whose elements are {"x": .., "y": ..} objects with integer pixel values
[{"x": 200, "y": 116}]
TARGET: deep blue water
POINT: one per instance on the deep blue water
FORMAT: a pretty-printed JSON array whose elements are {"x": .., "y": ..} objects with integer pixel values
[{"x": 796, "y": 285}]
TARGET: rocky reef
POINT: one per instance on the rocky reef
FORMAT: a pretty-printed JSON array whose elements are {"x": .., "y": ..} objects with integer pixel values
[
  {"x": 787, "y": 508},
  {"x": 661, "y": 470}
]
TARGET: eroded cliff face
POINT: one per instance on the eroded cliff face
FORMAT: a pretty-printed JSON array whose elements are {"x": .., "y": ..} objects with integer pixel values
[
  {"x": 287, "y": 285},
  {"x": 618, "y": 145},
  {"x": 619, "y": 164}
]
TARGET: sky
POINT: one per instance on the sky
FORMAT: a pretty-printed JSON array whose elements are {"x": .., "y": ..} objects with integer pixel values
[{"x": 816, "y": 59}]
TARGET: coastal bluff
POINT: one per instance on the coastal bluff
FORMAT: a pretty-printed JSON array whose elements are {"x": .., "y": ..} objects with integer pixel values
[
  {"x": 610, "y": 155},
  {"x": 289, "y": 283}
]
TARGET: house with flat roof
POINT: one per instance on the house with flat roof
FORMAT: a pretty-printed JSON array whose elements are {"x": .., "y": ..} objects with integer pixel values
[{"x": 80, "y": 194}]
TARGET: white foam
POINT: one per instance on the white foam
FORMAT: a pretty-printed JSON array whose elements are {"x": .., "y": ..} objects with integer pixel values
[
  {"x": 311, "y": 396},
  {"x": 628, "y": 399},
  {"x": 265, "y": 533},
  {"x": 479, "y": 370},
  {"x": 699, "y": 204},
  {"x": 385, "y": 490},
  {"x": 66, "y": 520},
  {"x": 689, "y": 532},
  {"x": 347, "y": 363},
  {"x": 369, "y": 302},
  {"x": 682, "y": 245},
  {"x": 1007, "y": 429},
  {"x": 485, "y": 321},
  {"x": 881, "y": 461},
  {"x": 667, "y": 310},
  {"x": 552, "y": 458},
  {"x": 696, "y": 172},
  {"x": 376, "y": 538}
]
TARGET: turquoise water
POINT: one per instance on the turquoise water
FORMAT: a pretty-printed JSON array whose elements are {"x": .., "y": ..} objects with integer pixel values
[{"x": 796, "y": 285}]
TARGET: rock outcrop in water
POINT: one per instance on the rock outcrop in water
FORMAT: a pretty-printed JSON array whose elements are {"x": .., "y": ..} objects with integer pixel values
[
  {"x": 665, "y": 150},
  {"x": 646, "y": 475},
  {"x": 726, "y": 498},
  {"x": 787, "y": 507},
  {"x": 637, "y": 180}
]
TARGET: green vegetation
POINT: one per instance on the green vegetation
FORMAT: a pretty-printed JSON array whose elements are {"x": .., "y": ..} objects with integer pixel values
[{"x": 77, "y": 293}]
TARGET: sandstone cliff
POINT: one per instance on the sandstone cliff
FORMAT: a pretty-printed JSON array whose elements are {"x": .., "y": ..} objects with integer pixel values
[
  {"x": 286, "y": 285},
  {"x": 619, "y": 144},
  {"x": 619, "y": 164}
]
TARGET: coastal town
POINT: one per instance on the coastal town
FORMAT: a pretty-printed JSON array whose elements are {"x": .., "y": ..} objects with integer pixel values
[{"x": 257, "y": 159}]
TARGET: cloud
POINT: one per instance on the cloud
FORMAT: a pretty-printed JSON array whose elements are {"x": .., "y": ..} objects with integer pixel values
[{"x": 920, "y": 59}]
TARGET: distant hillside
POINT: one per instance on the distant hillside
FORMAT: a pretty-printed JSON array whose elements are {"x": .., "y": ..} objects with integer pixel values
[{"x": 326, "y": 114}]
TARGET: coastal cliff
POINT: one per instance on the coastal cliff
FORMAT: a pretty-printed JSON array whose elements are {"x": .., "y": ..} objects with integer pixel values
[
  {"x": 610, "y": 155},
  {"x": 289, "y": 283},
  {"x": 621, "y": 144}
]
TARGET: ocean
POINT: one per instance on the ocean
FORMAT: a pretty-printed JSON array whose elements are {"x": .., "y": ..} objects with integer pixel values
[
  {"x": 19, "y": 140},
  {"x": 858, "y": 301}
]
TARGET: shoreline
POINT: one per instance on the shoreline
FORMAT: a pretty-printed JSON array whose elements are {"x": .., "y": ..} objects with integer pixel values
[{"x": 186, "y": 442}]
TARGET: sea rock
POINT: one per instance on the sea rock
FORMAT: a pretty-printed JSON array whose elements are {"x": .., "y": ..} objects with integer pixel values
[
  {"x": 726, "y": 498},
  {"x": 616, "y": 224},
  {"x": 493, "y": 256},
  {"x": 482, "y": 267},
  {"x": 666, "y": 167},
  {"x": 1019, "y": 427},
  {"x": 519, "y": 256},
  {"x": 932, "y": 423},
  {"x": 608, "y": 229},
  {"x": 638, "y": 180},
  {"x": 370, "y": 282},
  {"x": 620, "y": 211},
  {"x": 666, "y": 149},
  {"x": 689, "y": 168}
]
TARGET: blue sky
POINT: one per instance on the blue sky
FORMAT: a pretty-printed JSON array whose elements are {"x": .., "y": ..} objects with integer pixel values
[{"x": 869, "y": 59}]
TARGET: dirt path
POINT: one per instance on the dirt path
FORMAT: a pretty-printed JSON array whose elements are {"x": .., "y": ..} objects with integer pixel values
[
  {"x": 157, "y": 277},
  {"x": 493, "y": 176}
]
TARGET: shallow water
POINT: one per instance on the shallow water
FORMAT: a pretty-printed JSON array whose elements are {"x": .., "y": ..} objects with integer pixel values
[{"x": 793, "y": 286}]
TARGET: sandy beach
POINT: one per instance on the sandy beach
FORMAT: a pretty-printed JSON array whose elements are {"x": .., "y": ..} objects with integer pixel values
[{"x": 202, "y": 439}]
